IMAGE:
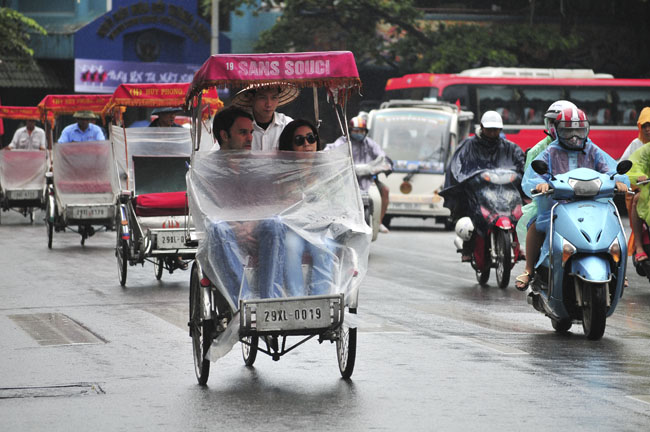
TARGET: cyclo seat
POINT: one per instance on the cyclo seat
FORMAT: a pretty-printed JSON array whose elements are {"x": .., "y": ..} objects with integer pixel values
[{"x": 161, "y": 204}]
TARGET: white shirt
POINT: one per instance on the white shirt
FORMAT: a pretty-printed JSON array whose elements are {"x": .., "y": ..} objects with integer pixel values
[
  {"x": 634, "y": 146},
  {"x": 269, "y": 139},
  {"x": 23, "y": 140}
]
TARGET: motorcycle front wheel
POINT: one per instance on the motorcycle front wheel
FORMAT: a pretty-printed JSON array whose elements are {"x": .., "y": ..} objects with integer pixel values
[
  {"x": 594, "y": 310},
  {"x": 502, "y": 252}
]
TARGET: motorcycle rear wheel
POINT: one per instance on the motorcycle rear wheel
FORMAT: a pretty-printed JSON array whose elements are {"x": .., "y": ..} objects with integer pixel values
[
  {"x": 594, "y": 310},
  {"x": 503, "y": 246}
]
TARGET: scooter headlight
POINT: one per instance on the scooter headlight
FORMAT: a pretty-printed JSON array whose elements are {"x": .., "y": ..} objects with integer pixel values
[
  {"x": 615, "y": 251},
  {"x": 567, "y": 251},
  {"x": 585, "y": 188}
]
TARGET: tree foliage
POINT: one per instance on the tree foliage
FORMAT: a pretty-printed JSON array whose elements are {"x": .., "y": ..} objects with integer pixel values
[{"x": 16, "y": 29}]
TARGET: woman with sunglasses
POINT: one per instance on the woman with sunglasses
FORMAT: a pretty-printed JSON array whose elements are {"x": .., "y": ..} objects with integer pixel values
[{"x": 302, "y": 136}]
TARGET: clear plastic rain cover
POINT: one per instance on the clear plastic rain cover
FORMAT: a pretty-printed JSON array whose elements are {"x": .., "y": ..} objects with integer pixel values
[
  {"x": 279, "y": 224},
  {"x": 84, "y": 173},
  {"x": 22, "y": 169}
]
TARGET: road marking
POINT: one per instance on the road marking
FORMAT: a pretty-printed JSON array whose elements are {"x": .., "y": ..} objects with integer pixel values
[
  {"x": 80, "y": 389},
  {"x": 503, "y": 349},
  {"x": 640, "y": 398},
  {"x": 50, "y": 329},
  {"x": 177, "y": 316}
]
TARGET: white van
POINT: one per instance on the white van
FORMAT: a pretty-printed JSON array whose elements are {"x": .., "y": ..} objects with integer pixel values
[{"x": 420, "y": 137}]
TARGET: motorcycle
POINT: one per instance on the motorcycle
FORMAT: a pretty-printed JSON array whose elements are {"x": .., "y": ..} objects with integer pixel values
[
  {"x": 494, "y": 196},
  {"x": 642, "y": 267},
  {"x": 580, "y": 274},
  {"x": 372, "y": 197}
]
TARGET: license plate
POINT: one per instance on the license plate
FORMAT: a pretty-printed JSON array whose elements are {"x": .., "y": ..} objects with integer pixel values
[
  {"x": 90, "y": 212},
  {"x": 172, "y": 240},
  {"x": 293, "y": 315},
  {"x": 23, "y": 194},
  {"x": 404, "y": 206}
]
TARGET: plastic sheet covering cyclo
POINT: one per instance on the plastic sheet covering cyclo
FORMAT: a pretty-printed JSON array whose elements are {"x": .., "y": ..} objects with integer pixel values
[
  {"x": 279, "y": 224},
  {"x": 84, "y": 173},
  {"x": 22, "y": 170}
]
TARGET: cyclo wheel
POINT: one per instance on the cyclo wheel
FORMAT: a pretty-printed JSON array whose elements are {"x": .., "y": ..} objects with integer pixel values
[
  {"x": 594, "y": 310},
  {"x": 49, "y": 223},
  {"x": 122, "y": 255},
  {"x": 158, "y": 267},
  {"x": 346, "y": 349},
  {"x": 201, "y": 331},
  {"x": 503, "y": 246},
  {"x": 249, "y": 349}
]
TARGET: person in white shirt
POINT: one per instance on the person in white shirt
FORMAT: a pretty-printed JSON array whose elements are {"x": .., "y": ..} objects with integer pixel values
[
  {"x": 262, "y": 101},
  {"x": 29, "y": 137}
]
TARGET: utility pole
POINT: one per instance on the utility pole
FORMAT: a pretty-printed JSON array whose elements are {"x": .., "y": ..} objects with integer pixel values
[{"x": 214, "y": 42}]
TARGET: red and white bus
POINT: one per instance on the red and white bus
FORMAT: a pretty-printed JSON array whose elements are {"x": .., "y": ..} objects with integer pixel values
[{"x": 522, "y": 96}]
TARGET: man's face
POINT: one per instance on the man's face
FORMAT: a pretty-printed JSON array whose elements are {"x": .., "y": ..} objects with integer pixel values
[
  {"x": 83, "y": 124},
  {"x": 240, "y": 135},
  {"x": 491, "y": 133},
  {"x": 645, "y": 131},
  {"x": 29, "y": 124},
  {"x": 166, "y": 119},
  {"x": 265, "y": 101}
]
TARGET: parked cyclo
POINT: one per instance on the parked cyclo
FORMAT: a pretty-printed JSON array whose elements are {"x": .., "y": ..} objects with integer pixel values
[
  {"x": 151, "y": 163},
  {"x": 82, "y": 186},
  {"x": 22, "y": 171},
  {"x": 243, "y": 288}
]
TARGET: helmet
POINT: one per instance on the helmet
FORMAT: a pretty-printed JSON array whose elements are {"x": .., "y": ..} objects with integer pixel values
[
  {"x": 572, "y": 128},
  {"x": 551, "y": 115},
  {"x": 359, "y": 122},
  {"x": 491, "y": 120},
  {"x": 464, "y": 228}
]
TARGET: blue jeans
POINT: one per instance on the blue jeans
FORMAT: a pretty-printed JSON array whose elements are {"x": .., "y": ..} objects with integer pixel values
[
  {"x": 227, "y": 259},
  {"x": 322, "y": 259}
]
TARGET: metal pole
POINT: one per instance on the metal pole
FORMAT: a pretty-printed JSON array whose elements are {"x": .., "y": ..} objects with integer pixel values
[{"x": 214, "y": 41}]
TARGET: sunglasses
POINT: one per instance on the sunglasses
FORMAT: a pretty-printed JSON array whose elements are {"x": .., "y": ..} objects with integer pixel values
[{"x": 299, "y": 140}]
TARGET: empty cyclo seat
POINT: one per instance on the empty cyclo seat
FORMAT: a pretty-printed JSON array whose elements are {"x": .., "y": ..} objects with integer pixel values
[
  {"x": 83, "y": 187},
  {"x": 161, "y": 204}
]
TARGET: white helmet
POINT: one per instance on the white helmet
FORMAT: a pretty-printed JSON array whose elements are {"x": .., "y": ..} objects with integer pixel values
[
  {"x": 491, "y": 120},
  {"x": 464, "y": 228},
  {"x": 551, "y": 115}
]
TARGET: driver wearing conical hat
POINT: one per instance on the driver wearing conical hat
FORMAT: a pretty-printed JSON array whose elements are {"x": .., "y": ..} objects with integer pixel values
[{"x": 262, "y": 101}]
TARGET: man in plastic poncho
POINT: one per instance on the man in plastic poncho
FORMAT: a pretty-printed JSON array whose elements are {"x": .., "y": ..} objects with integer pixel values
[
  {"x": 638, "y": 206},
  {"x": 572, "y": 149},
  {"x": 484, "y": 150},
  {"x": 529, "y": 211}
]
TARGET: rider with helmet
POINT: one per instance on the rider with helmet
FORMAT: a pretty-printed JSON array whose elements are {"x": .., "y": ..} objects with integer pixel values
[
  {"x": 570, "y": 150},
  {"x": 485, "y": 150},
  {"x": 365, "y": 150}
]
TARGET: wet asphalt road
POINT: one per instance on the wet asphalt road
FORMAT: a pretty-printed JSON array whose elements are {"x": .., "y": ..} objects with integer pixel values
[{"x": 436, "y": 351}]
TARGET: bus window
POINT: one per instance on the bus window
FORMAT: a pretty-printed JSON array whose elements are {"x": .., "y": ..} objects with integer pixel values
[
  {"x": 458, "y": 92},
  {"x": 414, "y": 93},
  {"x": 595, "y": 102},
  {"x": 502, "y": 99},
  {"x": 536, "y": 100},
  {"x": 630, "y": 103}
]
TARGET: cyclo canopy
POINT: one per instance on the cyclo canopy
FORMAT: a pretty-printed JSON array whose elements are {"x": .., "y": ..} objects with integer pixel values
[{"x": 258, "y": 210}]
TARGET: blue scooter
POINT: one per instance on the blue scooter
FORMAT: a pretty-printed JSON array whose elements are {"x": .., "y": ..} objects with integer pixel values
[{"x": 580, "y": 273}]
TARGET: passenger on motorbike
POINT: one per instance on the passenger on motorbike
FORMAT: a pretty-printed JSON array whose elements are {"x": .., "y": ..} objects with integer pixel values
[
  {"x": 640, "y": 206},
  {"x": 365, "y": 150},
  {"x": 572, "y": 149},
  {"x": 302, "y": 136},
  {"x": 485, "y": 150},
  {"x": 233, "y": 128}
]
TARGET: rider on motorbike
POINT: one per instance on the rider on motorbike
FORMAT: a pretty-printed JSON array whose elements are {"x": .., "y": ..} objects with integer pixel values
[
  {"x": 365, "y": 150},
  {"x": 485, "y": 150},
  {"x": 572, "y": 149}
]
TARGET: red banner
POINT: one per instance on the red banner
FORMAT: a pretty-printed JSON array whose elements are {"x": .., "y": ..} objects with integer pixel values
[
  {"x": 68, "y": 104},
  {"x": 157, "y": 95},
  {"x": 20, "y": 112}
]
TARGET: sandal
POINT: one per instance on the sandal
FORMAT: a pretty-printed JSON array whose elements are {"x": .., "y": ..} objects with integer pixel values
[
  {"x": 640, "y": 257},
  {"x": 522, "y": 281}
]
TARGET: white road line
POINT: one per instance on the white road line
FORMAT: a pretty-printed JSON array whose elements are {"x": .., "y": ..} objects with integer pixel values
[
  {"x": 503, "y": 349},
  {"x": 640, "y": 398}
]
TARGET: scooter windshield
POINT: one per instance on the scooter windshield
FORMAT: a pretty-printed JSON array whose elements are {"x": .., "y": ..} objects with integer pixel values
[
  {"x": 493, "y": 193},
  {"x": 279, "y": 224}
]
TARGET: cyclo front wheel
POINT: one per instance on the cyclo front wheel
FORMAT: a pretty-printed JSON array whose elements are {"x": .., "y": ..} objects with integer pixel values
[
  {"x": 122, "y": 255},
  {"x": 249, "y": 349},
  {"x": 158, "y": 267},
  {"x": 346, "y": 349},
  {"x": 201, "y": 331},
  {"x": 503, "y": 249}
]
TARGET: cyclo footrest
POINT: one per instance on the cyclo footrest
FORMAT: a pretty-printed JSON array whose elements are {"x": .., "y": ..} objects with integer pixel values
[{"x": 291, "y": 316}]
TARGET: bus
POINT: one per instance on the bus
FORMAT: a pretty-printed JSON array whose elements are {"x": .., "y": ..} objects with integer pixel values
[{"x": 523, "y": 95}]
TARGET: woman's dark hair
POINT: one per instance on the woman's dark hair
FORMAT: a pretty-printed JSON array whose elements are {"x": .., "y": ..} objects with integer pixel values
[{"x": 286, "y": 137}]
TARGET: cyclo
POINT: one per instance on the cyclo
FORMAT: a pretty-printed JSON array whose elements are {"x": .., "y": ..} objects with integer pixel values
[
  {"x": 312, "y": 195},
  {"x": 22, "y": 172},
  {"x": 152, "y": 209},
  {"x": 82, "y": 186}
]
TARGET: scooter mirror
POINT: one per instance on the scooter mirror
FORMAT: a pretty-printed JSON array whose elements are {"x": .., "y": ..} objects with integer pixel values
[
  {"x": 540, "y": 167},
  {"x": 624, "y": 166}
]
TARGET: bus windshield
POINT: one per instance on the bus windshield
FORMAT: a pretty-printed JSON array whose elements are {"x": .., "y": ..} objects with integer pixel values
[{"x": 419, "y": 136}]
